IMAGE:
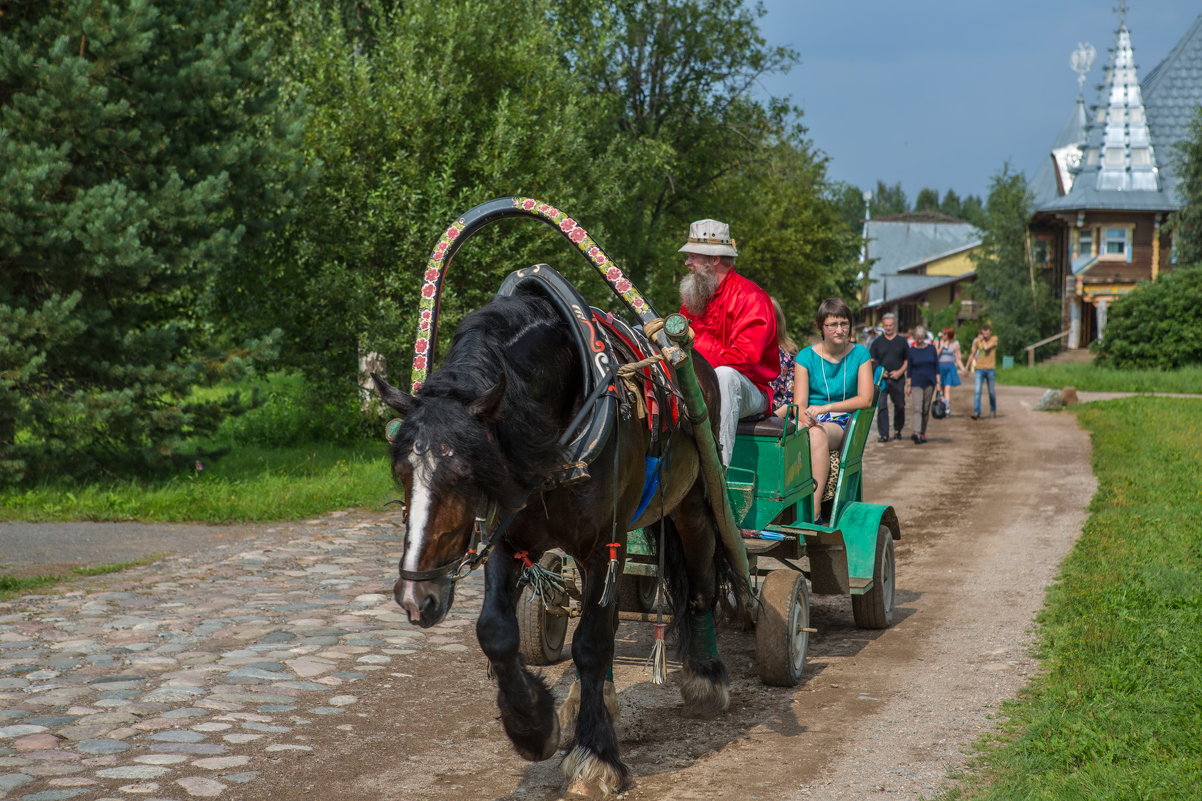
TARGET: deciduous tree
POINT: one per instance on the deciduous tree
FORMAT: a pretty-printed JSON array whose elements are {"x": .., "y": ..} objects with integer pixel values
[
  {"x": 1187, "y": 222},
  {"x": 1017, "y": 298}
]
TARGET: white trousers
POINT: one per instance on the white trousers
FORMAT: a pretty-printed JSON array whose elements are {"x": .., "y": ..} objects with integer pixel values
[{"x": 740, "y": 398}]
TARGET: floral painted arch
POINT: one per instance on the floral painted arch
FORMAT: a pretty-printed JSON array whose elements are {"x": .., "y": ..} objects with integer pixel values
[{"x": 460, "y": 230}]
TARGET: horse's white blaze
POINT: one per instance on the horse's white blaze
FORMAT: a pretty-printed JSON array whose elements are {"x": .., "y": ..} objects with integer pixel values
[{"x": 419, "y": 507}]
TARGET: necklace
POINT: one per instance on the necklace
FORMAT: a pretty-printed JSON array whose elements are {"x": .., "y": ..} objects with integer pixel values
[{"x": 826, "y": 379}]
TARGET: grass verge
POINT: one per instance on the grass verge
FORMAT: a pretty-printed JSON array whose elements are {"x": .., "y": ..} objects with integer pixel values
[
  {"x": 1115, "y": 714},
  {"x": 11, "y": 586},
  {"x": 1101, "y": 379},
  {"x": 251, "y": 484}
]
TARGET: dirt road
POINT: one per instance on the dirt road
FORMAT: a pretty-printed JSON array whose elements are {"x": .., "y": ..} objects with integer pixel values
[{"x": 988, "y": 509}]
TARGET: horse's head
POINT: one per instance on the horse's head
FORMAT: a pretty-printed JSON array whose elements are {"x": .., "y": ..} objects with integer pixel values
[{"x": 445, "y": 459}]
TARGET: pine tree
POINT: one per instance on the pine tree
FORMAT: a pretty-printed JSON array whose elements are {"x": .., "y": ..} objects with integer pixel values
[
  {"x": 143, "y": 150},
  {"x": 889, "y": 200},
  {"x": 951, "y": 204},
  {"x": 927, "y": 200}
]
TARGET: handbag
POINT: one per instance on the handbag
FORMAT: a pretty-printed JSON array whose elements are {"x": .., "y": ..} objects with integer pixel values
[{"x": 939, "y": 407}]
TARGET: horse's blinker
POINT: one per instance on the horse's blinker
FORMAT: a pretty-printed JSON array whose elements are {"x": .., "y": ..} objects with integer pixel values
[{"x": 392, "y": 429}]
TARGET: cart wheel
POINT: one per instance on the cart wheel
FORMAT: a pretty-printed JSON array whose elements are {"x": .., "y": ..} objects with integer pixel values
[
  {"x": 874, "y": 609},
  {"x": 542, "y": 633},
  {"x": 637, "y": 593},
  {"x": 781, "y": 639}
]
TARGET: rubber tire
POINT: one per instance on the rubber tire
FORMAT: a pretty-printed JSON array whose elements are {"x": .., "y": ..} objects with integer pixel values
[
  {"x": 637, "y": 593},
  {"x": 542, "y": 636},
  {"x": 780, "y": 642},
  {"x": 874, "y": 609}
]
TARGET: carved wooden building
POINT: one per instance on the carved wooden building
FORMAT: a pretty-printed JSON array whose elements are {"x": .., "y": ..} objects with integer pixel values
[{"x": 1109, "y": 184}]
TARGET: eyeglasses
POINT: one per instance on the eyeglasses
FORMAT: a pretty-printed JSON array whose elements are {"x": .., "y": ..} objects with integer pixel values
[{"x": 836, "y": 326}]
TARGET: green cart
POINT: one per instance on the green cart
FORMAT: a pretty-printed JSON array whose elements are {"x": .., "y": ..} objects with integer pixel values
[{"x": 770, "y": 487}]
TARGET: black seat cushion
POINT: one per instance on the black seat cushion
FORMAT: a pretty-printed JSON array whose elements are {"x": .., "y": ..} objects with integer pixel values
[{"x": 770, "y": 426}]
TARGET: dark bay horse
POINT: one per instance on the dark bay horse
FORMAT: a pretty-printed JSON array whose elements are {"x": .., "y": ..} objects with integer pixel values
[{"x": 484, "y": 429}]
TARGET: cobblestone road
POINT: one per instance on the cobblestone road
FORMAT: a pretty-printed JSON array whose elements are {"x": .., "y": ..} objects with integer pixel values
[{"x": 135, "y": 687}]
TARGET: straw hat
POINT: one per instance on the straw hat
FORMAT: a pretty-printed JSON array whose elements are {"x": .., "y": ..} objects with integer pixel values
[{"x": 710, "y": 238}]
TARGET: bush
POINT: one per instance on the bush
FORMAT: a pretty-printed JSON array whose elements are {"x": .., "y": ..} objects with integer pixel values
[
  {"x": 1156, "y": 326},
  {"x": 287, "y": 411}
]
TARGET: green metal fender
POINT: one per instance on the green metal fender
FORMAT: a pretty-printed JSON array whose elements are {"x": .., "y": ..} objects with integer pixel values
[{"x": 859, "y": 523}]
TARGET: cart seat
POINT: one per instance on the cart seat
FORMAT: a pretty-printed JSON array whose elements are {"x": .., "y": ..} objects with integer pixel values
[{"x": 766, "y": 426}]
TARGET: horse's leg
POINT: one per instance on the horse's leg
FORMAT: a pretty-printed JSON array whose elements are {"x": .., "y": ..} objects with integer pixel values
[
  {"x": 527, "y": 706},
  {"x": 593, "y": 768},
  {"x": 705, "y": 687},
  {"x": 569, "y": 710}
]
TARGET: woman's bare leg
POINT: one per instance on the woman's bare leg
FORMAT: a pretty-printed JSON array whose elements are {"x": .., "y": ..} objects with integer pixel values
[{"x": 824, "y": 438}]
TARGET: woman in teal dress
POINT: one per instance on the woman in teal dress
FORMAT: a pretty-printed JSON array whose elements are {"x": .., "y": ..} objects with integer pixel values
[{"x": 832, "y": 379}]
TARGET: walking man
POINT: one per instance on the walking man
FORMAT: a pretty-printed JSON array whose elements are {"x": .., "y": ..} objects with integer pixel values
[
  {"x": 734, "y": 324},
  {"x": 891, "y": 352},
  {"x": 984, "y": 356}
]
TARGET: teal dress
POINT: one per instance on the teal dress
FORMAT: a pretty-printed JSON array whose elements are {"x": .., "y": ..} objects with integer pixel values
[{"x": 832, "y": 382}]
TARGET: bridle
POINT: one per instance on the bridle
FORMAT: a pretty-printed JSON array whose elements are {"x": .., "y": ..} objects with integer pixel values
[
  {"x": 483, "y": 542},
  {"x": 475, "y": 556}
]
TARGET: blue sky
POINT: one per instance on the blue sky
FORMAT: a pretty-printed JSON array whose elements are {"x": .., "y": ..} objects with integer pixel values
[{"x": 941, "y": 93}]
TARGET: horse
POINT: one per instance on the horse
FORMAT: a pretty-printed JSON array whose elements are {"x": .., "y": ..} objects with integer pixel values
[{"x": 485, "y": 429}]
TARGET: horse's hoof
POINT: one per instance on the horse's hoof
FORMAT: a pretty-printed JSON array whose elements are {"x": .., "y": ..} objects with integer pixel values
[
  {"x": 705, "y": 696},
  {"x": 580, "y": 790},
  {"x": 549, "y": 745},
  {"x": 589, "y": 777}
]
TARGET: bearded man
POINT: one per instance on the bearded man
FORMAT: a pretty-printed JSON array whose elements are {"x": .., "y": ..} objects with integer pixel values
[{"x": 734, "y": 324}]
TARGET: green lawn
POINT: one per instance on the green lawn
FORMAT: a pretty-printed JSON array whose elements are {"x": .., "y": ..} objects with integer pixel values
[
  {"x": 1116, "y": 713},
  {"x": 1101, "y": 379}
]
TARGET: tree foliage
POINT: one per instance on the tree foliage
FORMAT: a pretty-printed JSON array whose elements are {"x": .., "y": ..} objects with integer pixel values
[
  {"x": 927, "y": 200},
  {"x": 1157, "y": 324},
  {"x": 636, "y": 117},
  {"x": 889, "y": 200},
  {"x": 143, "y": 148},
  {"x": 1187, "y": 222},
  {"x": 1018, "y": 300}
]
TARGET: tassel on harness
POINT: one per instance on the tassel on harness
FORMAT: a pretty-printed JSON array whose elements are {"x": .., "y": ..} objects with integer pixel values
[
  {"x": 611, "y": 575},
  {"x": 659, "y": 655},
  {"x": 548, "y": 586}
]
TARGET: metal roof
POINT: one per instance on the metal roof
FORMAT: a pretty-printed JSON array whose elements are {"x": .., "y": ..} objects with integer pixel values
[
  {"x": 1066, "y": 153},
  {"x": 1172, "y": 94},
  {"x": 1128, "y": 162},
  {"x": 894, "y": 288},
  {"x": 900, "y": 245}
]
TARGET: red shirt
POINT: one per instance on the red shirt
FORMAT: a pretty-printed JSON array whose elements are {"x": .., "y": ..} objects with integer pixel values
[{"x": 738, "y": 330}]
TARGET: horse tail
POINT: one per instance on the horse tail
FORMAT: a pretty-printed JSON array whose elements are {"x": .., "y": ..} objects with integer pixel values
[
  {"x": 675, "y": 582},
  {"x": 676, "y": 585}
]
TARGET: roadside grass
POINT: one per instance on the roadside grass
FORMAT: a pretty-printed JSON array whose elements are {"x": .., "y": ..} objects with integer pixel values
[
  {"x": 1102, "y": 379},
  {"x": 290, "y": 457},
  {"x": 252, "y": 484},
  {"x": 1115, "y": 712},
  {"x": 12, "y": 586}
]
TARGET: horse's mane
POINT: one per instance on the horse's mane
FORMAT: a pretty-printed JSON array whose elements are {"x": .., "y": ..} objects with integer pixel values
[{"x": 524, "y": 339}]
